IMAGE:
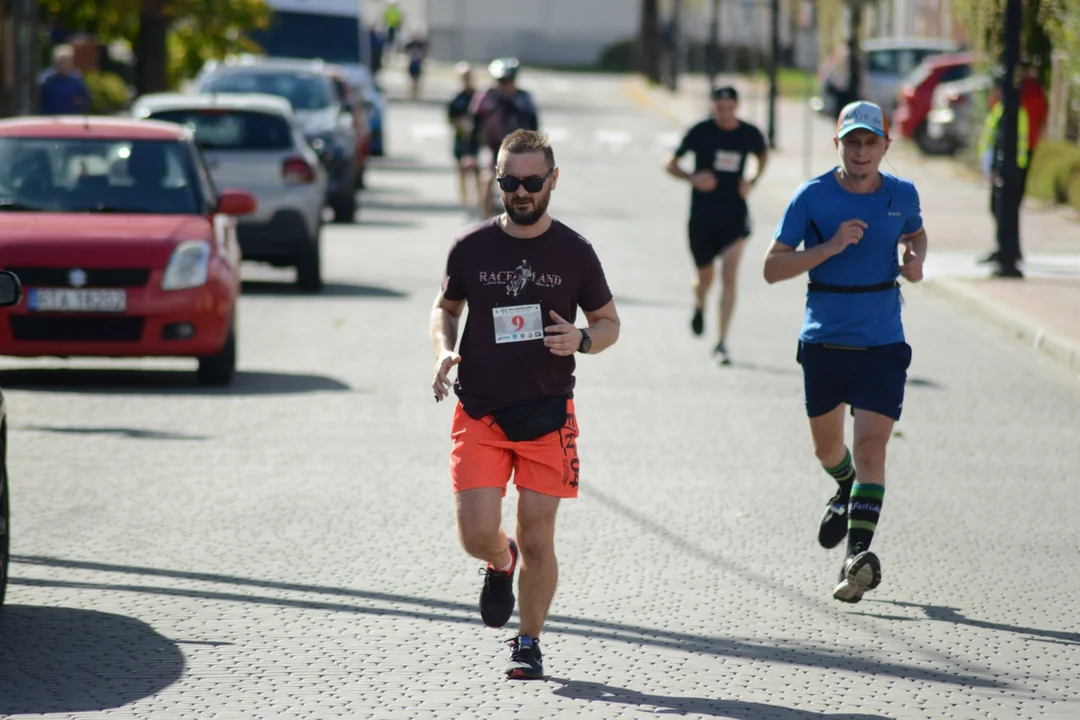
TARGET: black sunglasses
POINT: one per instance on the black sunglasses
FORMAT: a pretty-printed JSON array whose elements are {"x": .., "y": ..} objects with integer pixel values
[{"x": 532, "y": 184}]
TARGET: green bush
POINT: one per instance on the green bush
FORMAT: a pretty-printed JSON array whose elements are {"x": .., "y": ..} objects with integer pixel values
[
  {"x": 619, "y": 57},
  {"x": 1053, "y": 168},
  {"x": 108, "y": 92},
  {"x": 1073, "y": 190}
]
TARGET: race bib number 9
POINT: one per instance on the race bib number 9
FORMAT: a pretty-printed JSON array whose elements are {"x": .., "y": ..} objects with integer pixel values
[
  {"x": 727, "y": 161},
  {"x": 517, "y": 323}
]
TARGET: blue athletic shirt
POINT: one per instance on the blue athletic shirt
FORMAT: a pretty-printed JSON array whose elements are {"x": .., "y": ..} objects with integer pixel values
[{"x": 855, "y": 319}]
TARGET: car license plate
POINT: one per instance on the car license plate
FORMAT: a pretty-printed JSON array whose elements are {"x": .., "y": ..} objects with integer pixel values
[{"x": 62, "y": 300}]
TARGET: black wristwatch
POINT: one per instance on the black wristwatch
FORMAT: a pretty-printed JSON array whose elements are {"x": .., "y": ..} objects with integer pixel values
[{"x": 586, "y": 342}]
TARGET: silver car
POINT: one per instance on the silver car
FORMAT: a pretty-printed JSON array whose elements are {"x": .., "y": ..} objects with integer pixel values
[
  {"x": 886, "y": 62},
  {"x": 951, "y": 124},
  {"x": 254, "y": 142},
  {"x": 326, "y": 118}
]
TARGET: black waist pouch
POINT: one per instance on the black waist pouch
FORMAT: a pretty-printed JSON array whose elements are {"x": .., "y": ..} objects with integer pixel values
[{"x": 531, "y": 420}]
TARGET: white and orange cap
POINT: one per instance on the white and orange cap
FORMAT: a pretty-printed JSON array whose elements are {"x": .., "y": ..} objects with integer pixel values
[{"x": 864, "y": 115}]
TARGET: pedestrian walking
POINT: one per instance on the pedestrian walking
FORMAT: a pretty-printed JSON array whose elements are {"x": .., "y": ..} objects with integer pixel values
[
  {"x": 62, "y": 89},
  {"x": 497, "y": 112},
  {"x": 850, "y": 222},
  {"x": 523, "y": 276},
  {"x": 719, "y": 216},
  {"x": 466, "y": 146}
]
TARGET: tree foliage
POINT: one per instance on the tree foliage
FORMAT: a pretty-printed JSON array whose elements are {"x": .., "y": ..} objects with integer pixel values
[{"x": 198, "y": 29}]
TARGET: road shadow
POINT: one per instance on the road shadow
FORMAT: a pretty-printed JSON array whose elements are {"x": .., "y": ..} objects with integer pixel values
[
  {"x": 68, "y": 660},
  {"x": 630, "y": 301},
  {"x": 679, "y": 705},
  {"x": 125, "y": 432},
  {"x": 330, "y": 290},
  {"x": 388, "y": 223},
  {"x": 99, "y": 381},
  {"x": 762, "y": 368},
  {"x": 943, "y": 613},
  {"x": 430, "y": 206},
  {"x": 924, "y": 383},
  {"x": 350, "y": 600},
  {"x": 409, "y": 163}
]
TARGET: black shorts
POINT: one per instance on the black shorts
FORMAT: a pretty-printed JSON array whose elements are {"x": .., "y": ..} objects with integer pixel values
[
  {"x": 870, "y": 378},
  {"x": 465, "y": 147},
  {"x": 709, "y": 238}
]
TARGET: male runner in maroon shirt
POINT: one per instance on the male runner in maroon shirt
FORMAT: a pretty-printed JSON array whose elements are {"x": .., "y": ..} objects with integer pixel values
[{"x": 523, "y": 275}]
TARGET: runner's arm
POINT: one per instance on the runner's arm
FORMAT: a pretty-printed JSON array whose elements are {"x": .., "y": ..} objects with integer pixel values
[
  {"x": 762, "y": 161},
  {"x": 916, "y": 241},
  {"x": 674, "y": 170},
  {"x": 783, "y": 262},
  {"x": 604, "y": 326},
  {"x": 444, "y": 323}
]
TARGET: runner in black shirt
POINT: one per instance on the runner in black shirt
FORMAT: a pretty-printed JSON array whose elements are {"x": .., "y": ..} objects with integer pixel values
[
  {"x": 466, "y": 146},
  {"x": 719, "y": 218}
]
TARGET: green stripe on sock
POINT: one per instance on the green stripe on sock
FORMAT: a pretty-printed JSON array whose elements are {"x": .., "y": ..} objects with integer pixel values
[
  {"x": 861, "y": 525},
  {"x": 844, "y": 471},
  {"x": 868, "y": 491}
]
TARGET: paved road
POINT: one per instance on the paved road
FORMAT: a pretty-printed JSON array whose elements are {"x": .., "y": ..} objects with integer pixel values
[{"x": 285, "y": 548}]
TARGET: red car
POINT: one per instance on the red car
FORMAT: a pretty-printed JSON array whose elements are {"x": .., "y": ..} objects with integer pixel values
[
  {"x": 123, "y": 246},
  {"x": 917, "y": 92}
]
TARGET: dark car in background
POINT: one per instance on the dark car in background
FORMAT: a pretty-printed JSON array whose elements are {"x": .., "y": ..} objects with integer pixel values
[
  {"x": 328, "y": 121},
  {"x": 10, "y": 294},
  {"x": 916, "y": 95}
]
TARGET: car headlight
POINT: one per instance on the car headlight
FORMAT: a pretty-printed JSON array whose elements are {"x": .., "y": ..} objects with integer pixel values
[{"x": 188, "y": 267}]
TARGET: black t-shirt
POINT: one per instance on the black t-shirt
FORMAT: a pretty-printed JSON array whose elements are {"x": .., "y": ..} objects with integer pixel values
[
  {"x": 511, "y": 284},
  {"x": 459, "y": 109},
  {"x": 724, "y": 152}
]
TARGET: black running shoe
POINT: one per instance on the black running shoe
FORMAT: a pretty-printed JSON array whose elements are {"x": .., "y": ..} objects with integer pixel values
[
  {"x": 497, "y": 597},
  {"x": 860, "y": 574},
  {"x": 697, "y": 323},
  {"x": 833, "y": 528},
  {"x": 720, "y": 354},
  {"x": 526, "y": 662}
]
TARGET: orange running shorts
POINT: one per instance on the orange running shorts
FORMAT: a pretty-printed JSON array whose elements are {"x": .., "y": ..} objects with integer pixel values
[{"x": 483, "y": 457}]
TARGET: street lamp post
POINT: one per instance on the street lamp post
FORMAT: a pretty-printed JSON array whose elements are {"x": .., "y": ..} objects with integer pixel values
[
  {"x": 774, "y": 63},
  {"x": 1008, "y": 186}
]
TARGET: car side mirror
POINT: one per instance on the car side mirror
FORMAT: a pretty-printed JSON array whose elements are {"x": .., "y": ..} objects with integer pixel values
[
  {"x": 10, "y": 289},
  {"x": 236, "y": 202}
]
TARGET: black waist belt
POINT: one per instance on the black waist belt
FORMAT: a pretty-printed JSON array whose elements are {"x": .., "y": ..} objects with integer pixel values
[{"x": 851, "y": 289}]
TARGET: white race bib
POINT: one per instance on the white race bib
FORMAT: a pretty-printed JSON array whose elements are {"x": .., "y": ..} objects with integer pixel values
[
  {"x": 727, "y": 161},
  {"x": 517, "y": 323}
]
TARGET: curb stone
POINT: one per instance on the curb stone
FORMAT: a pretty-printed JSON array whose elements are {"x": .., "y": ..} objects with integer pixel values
[{"x": 1026, "y": 328}]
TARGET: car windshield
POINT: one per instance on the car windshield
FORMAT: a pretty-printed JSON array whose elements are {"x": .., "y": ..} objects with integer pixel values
[
  {"x": 304, "y": 91},
  {"x": 333, "y": 38},
  {"x": 97, "y": 175},
  {"x": 219, "y": 129}
]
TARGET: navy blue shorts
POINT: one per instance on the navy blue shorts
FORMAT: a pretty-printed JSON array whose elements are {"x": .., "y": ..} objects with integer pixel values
[
  {"x": 711, "y": 236},
  {"x": 870, "y": 378}
]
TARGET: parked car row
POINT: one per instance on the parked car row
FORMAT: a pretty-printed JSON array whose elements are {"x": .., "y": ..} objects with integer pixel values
[{"x": 125, "y": 235}]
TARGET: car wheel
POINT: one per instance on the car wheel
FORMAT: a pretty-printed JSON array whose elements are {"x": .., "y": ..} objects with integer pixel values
[
  {"x": 220, "y": 369},
  {"x": 928, "y": 145},
  {"x": 378, "y": 148},
  {"x": 5, "y": 528},
  {"x": 344, "y": 206},
  {"x": 309, "y": 267}
]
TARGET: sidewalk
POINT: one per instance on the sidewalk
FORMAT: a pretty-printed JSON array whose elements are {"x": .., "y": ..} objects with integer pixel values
[{"x": 1042, "y": 310}]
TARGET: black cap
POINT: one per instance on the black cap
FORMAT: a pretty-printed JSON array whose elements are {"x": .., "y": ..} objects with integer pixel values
[{"x": 725, "y": 92}]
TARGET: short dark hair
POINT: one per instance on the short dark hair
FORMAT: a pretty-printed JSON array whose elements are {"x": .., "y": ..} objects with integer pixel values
[{"x": 521, "y": 142}]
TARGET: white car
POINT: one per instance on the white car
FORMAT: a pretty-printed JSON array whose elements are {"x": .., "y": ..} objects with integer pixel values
[
  {"x": 254, "y": 142},
  {"x": 887, "y": 61}
]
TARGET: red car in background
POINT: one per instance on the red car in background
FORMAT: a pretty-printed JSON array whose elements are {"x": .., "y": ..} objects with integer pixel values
[
  {"x": 917, "y": 91},
  {"x": 123, "y": 246},
  {"x": 351, "y": 101}
]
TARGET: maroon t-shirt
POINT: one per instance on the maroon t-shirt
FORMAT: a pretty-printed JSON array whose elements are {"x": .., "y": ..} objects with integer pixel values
[{"x": 511, "y": 284}]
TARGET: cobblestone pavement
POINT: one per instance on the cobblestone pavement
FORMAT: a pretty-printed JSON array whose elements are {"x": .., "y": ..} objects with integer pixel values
[{"x": 285, "y": 548}]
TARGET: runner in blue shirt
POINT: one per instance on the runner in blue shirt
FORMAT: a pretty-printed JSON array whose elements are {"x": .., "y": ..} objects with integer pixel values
[{"x": 852, "y": 348}]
